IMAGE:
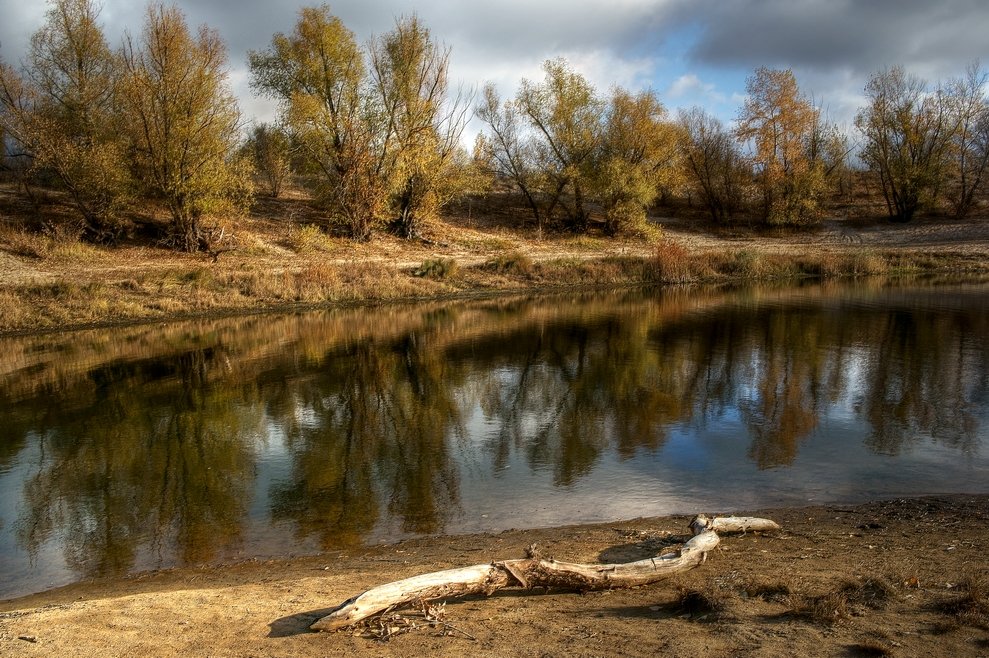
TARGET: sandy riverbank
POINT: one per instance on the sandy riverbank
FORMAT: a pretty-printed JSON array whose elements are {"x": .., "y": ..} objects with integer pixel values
[{"x": 883, "y": 578}]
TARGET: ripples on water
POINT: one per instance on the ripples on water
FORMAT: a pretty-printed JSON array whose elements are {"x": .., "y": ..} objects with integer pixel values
[{"x": 191, "y": 443}]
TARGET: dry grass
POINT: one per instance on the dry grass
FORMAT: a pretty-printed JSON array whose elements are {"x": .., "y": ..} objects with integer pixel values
[
  {"x": 310, "y": 239},
  {"x": 513, "y": 262},
  {"x": 874, "y": 647},
  {"x": 438, "y": 268},
  {"x": 708, "y": 603},
  {"x": 773, "y": 590},
  {"x": 25, "y": 244},
  {"x": 828, "y": 608},
  {"x": 970, "y": 607},
  {"x": 282, "y": 256},
  {"x": 874, "y": 592},
  {"x": 674, "y": 264},
  {"x": 837, "y": 604}
]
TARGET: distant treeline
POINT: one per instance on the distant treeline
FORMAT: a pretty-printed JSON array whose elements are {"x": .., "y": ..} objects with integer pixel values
[{"x": 374, "y": 133}]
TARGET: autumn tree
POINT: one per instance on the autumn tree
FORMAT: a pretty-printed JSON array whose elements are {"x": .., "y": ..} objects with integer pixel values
[
  {"x": 566, "y": 114},
  {"x": 318, "y": 75},
  {"x": 714, "y": 164},
  {"x": 509, "y": 151},
  {"x": 636, "y": 156},
  {"x": 908, "y": 133},
  {"x": 268, "y": 147},
  {"x": 63, "y": 112},
  {"x": 826, "y": 147},
  {"x": 376, "y": 124},
  {"x": 183, "y": 122},
  {"x": 969, "y": 153},
  {"x": 410, "y": 74},
  {"x": 565, "y": 148},
  {"x": 777, "y": 119}
]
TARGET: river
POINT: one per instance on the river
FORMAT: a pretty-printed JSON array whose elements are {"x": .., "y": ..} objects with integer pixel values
[{"x": 123, "y": 450}]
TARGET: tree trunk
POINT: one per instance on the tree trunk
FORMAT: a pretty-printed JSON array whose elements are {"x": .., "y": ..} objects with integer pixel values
[{"x": 534, "y": 571}]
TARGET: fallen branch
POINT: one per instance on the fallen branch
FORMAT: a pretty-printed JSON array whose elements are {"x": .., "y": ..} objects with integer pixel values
[{"x": 534, "y": 571}]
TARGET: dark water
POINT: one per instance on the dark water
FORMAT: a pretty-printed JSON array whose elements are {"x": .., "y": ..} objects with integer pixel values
[{"x": 125, "y": 450}]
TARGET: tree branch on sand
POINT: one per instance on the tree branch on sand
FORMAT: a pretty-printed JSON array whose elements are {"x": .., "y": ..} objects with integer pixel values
[{"x": 534, "y": 571}]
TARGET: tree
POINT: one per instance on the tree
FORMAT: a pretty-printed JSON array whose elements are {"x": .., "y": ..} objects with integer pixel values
[
  {"x": 637, "y": 153},
  {"x": 778, "y": 120},
  {"x": 509, "y": 152},
  {"x": 384, "y": 138},
  {"x": 63, "y": 111},
  {"x": 826, "y": 146},
  {"x": 183, "y": 122},
  {"x": 269, "y": 149},
  {"x": 318, "y": 75},
  {"x": 970, "y": 144},
  {"x": 714, "y": 164},
  {"x": 565, "y": 113},
  {"x": 907, "y": 132},
  {"x": 410, "y": 74}
]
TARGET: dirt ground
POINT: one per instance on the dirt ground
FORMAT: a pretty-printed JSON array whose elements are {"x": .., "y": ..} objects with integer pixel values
[
  {"x": 894, "y": 578},
  {"x": 961, "y": 236}
]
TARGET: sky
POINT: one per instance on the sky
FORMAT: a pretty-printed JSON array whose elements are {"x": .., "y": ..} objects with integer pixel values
[{"x": 690, "y": 52}]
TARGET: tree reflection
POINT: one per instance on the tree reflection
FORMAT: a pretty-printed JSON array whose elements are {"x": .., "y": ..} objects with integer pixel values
[
  {"x": 121, "y": 471},
  {"x": 787, "y": 371},
  {"x": 379, "y": 423},
  {"x": 928, "y": 371}
]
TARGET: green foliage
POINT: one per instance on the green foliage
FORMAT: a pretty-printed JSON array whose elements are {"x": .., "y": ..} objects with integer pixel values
[
  {"x": 409, "y": 72},
  {"x": 309, "y": 239},
  {"x": 318, "y": 75},
  {"x": 637, "y": 155},
  {"x": 564, "y": 148},
  {"x": 565, "y": 114},
  {"x": 268, "y": 149},
  {"x": 383, "y": 138}
]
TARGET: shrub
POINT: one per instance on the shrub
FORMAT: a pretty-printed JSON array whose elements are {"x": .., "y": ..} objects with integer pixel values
[
  {"x": 673, "y": 263},
  {"x": 437, "y": 268},
  {"x": 511, "y": 263},
  {"x": 309, "y": 239}
]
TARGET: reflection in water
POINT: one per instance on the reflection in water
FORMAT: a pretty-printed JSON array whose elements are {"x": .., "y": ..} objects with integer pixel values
[{"x": 191, "y": 443}]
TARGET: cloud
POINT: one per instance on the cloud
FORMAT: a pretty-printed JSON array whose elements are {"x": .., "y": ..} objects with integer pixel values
[
  {"x": 698, "y": 50},
  {"x": 856, "y": 35},
  {"x": 689, "y": 87}
]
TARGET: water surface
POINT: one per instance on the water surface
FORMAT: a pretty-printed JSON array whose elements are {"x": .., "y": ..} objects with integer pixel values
[{"x": 182, "y": 444}]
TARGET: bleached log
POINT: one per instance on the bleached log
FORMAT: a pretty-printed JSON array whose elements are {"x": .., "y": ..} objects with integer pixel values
[{"x": 537, "y": 572}]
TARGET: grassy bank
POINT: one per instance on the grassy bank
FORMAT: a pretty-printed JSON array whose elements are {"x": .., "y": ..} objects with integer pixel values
[
  {"x": 278, "y": 258},
  {"x": 57, "y": 285}
]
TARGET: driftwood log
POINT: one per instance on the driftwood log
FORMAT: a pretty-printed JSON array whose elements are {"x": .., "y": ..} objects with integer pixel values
[{"x": 534, "y": 571}]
